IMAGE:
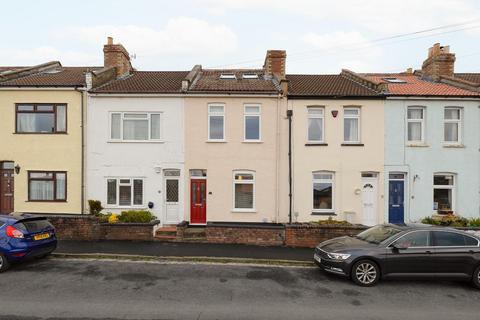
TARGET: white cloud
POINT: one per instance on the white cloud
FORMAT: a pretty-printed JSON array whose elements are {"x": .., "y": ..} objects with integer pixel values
[
  {"x": 32, "y": 56},
  {"x": 335, "y": 40},
  {"x": 181, "y": 35}
]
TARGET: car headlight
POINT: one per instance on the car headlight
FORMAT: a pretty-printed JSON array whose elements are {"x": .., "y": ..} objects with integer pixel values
[{"x": 338, "y": 256}]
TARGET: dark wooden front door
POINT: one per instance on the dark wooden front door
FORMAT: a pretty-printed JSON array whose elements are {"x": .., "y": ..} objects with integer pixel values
[
  {"x": 6, "y": 190},
  {"x": 198, "y": 201}
]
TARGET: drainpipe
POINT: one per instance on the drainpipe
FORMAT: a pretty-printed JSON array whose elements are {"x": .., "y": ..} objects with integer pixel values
[
  {"x": 82, "y": 109},
  {"x": 290, "y": 203}
]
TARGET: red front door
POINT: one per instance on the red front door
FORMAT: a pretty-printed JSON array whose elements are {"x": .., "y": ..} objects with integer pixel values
[
  {"x": 198, "y": 201},
  {"x": 6, "y": 190}
]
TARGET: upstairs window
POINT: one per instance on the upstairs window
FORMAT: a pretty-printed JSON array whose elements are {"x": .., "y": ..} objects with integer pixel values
[
  {"x": 216, "y": 122},
  {"x": 126, "y": 126},
  {"x": 416, "y": 124},
  {"x": 125, "y": 192},
  {"x": 315, "y": 124},
  {"x": 252, "y": 120},
  {"x": 351, "y": 125},
  {"x": 41, "y": 118},
  {"x": 452, "y": 125}
]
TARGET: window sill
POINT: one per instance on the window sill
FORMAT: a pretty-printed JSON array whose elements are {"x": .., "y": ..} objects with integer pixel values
[
  {"x": 54, "y": 201},
  {"x": 135, "y": 141},
  {"x": 216, "y": 141},
  {"x": 42, "y": 133},
  {"x": 252, "y": 141},
  {"x": 127, "y": 207},
  {"x": 453, "y": 145},
  {"x": 353, "y": 144},
  {"x": 313, "y": 144},
  {"x": 330, "y": 213},
  {"x": 244, "y": 211},
  {"x": 417, "y": 145}
]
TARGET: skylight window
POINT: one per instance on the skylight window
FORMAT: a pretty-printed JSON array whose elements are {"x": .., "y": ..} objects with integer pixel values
[
  {"x": 394, "y": 80},
  {"x": 228, "y": 76},
  {"x": 250, "y": 76}
]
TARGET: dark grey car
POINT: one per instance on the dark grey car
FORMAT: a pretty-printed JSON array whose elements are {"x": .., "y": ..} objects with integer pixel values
[{"x": 411, "y": 250}]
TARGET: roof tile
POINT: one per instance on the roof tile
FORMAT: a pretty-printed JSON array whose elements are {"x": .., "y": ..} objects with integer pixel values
[{"x": 146, "y": 82}]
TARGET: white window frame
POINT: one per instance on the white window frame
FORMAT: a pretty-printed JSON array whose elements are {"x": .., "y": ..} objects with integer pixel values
[
  {"x": 252, "y": 114},
  {"x": 447, "y": 187},
  {"x": 217, "y": 114},
  {"x": 122, "y": 118},
  {"x": 459, "y": 122},
  {"x": 253, "y": 182},
  {"x": 422, "y": 124},
  {"x": 316, "y": 116},
  {"x": 358, "y": 117},
  {"x": 131, "y": 183},
  {"x": 320, "y": 180}
]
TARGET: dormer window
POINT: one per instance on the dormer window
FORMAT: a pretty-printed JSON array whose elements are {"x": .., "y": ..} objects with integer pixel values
[
  {"x": 250, "y": 76},
  {"x": 394, "y": 80},
  {"x": 228, "y": 76}
]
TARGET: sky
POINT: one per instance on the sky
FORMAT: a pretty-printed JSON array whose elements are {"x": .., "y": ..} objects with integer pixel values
[{"x": 319, "y": 36}]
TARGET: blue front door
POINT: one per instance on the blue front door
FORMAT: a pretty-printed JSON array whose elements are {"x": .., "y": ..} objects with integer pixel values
[{"x": 395, "y": 201}]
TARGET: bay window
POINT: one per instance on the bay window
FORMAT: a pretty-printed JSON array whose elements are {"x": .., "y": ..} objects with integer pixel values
[
  {"x": 141, "y": 126},
  {"x": 315, "y": 124},
  {"x": 216, "y": 122},
  {"x": 416, "y": 124},
  {"x": 323, "y": 192},
  {"x": 47, "y": 186},
  {"x": 444, "y": 193},
  {"x": 41, "y": 118},
  {"x": 351, "y": 125},
  {"x": 452, "y": 125},
  {"x": 244, "y": 191},
  {"x": 125, "y": 192}
]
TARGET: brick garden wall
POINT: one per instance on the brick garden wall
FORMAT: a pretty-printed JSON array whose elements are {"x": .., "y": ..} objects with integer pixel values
[
  {"x": 246, "y": 233},
  {"x": 307, "y": 235}
]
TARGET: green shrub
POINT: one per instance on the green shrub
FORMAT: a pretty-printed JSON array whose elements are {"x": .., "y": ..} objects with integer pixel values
[
  {"x": 474, "y": 222},
  {"x": 136, "y": 216},
  {"x": 451, "y": 220},
  {"x": 95, "y": 207},
  {"x": 104, "y": 217},
  {"x": 331, "y": 221},
  {"x": 430, "y": 220}
]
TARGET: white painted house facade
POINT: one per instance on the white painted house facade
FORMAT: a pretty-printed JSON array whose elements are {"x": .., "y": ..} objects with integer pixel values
[{"x": 135, "y": 154}]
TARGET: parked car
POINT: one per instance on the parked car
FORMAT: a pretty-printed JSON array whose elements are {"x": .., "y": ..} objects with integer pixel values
[
  {"x": 23, "y": 237},
  {"x": 411, "y": 250}
]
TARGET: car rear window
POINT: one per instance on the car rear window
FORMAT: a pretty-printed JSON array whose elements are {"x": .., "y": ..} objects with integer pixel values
[
  {"x": 33, "y": 226},
  {"x": 452, "y": 239}
]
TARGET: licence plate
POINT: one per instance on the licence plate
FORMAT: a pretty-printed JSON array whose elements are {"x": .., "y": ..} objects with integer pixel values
[
  {"x": 317, "y": 258},
  {"x": 41, "y": 236}
]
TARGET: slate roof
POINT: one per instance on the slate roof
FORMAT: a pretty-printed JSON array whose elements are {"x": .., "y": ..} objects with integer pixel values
[
  {"x": 328, "y": 85},
  {"x": 208, "y": 81},
  {"x": 146, "y": 82},
  {"x": 413, "y": 85},
  {"x": 60, "y": 77}
]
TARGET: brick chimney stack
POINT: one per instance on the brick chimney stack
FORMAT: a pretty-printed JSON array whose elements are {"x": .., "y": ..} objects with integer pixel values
[
  {"x": 275, "y": 63},
  {"x": 115, "y": 55},
  {"x": 440, "y": 62}
]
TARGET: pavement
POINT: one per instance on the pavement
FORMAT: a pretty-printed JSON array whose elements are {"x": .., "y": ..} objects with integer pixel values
[
  {"x": 176, "y": 249},
  {"x": 64, "y": 289}
]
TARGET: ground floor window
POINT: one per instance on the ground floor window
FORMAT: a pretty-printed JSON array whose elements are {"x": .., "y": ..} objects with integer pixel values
[
  {"x": 443, "y": 193},
  {"x": 47, "y": 186},
  {"x": 244, "y": 190},
  {"x": 125, "y": 192},
  {"x": 323, "y": 191}
]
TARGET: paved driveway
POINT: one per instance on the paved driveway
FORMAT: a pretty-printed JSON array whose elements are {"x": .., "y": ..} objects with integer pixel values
[{"x": 78, "y": 289}]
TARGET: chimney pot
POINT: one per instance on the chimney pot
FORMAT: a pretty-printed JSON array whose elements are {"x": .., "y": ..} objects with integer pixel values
[{"x": 109, "y": 40}]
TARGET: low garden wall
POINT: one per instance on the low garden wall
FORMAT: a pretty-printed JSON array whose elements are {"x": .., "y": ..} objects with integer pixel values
[
  {"x": 86, "y": 227},
  {"x": 262, "y": 234},
  {"x": 310, "y": 235}
]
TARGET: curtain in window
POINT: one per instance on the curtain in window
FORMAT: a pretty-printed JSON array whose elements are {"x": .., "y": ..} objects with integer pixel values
[
  {"x": 216, "y": 127},
  {"x": 26, "y": 122},
  {"x": 414, "y": 131},
  {"x": 350, "y": 130},
  {"x": 243, "y": 196},
  {"x": 116, "y": 123},
  {"x": 125, "y": 195},
  {"x": 155, "y": 126},
  {"x": 61, "y": 118},
  {"x": 137, "y": 192},
  {"x": 111, "y": 191},
  {"x": 451, "y": 132},
  {"x": 41, "y": 190},
  {"x": 135, "y": 129},
  {"x": 315, "y": 129},
  {"x": 61, "y": 186}
]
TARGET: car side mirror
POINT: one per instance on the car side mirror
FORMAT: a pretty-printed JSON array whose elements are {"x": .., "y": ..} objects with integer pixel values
[{"x": 395, "y": 247}]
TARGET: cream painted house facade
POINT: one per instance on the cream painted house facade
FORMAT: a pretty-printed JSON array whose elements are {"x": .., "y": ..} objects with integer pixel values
[{"x": 41, "y": 142}]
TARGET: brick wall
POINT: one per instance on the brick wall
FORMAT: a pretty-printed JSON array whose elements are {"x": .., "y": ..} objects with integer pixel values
[
  {"x": 246, "y": 233},
  {"x": 307, "y": 235},
  {"x": 85, "y": 227}
]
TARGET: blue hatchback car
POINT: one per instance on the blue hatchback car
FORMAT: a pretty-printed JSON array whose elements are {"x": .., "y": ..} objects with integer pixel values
[{"x": 24, "y": 236}]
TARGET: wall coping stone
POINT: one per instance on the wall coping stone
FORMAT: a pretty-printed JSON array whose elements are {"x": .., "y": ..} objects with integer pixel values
[
  {"x": 131, "y": 224},
  {"x": 245, "y": 225}
]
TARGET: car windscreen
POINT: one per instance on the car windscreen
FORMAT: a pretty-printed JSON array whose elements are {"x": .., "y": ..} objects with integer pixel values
[
  {"x": 32, "y": 226},
  {"x": 377, "y": 234}
]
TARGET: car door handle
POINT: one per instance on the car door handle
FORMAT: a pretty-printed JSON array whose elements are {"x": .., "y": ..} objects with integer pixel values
[{"x": 428, "y": 251}]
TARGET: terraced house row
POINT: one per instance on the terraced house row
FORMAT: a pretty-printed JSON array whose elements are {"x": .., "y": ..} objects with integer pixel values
[{"x": 256, "y": 145}]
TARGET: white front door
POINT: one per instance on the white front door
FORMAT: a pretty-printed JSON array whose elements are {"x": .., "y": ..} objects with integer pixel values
[
  {"x": 171, "y": 196},
  {"x": 369, "y": 199}
]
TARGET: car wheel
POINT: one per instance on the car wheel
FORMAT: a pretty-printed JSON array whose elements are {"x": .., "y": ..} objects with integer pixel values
[
  {"x": 365, "y": 273},
  {"x": 4, "y": 264},
  {"x": 476, "y": 278}
]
